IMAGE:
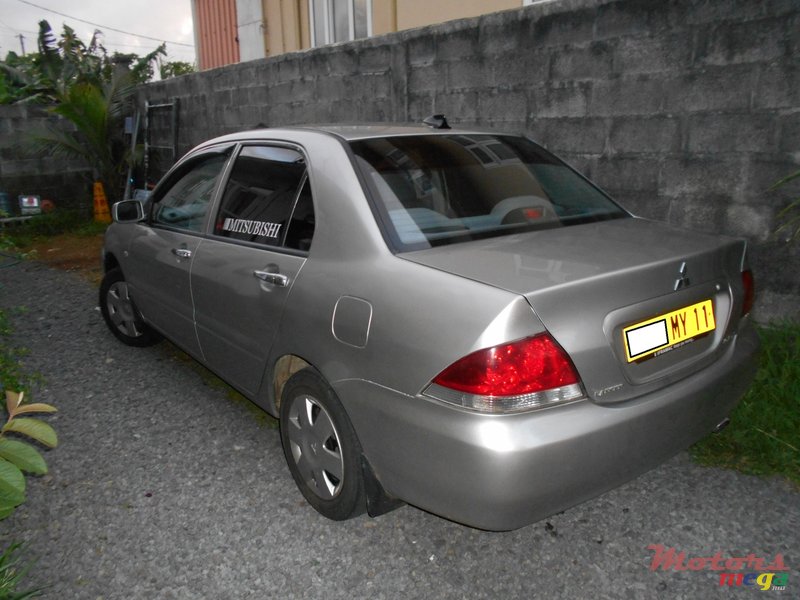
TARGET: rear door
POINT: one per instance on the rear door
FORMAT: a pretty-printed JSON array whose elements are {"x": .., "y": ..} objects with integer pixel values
[
  {"x": 243, "y": 273},
  {"x": 161, "y": 252}
]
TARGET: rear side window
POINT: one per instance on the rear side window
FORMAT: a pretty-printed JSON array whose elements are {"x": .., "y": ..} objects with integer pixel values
[
  {"x": 445, "y": 189},
  {"x": 267, "y": 186}
]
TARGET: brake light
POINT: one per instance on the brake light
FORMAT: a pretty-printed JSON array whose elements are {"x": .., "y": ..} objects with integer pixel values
[
  {"x": 749, "y": 292},
  {"x": 529, "y": 373}
]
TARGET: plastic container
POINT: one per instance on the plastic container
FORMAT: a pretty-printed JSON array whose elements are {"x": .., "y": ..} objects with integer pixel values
[{"x": 5, "y": 205}]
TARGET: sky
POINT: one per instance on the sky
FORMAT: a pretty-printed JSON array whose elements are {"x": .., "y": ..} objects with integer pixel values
[{"x": 165, "y": 20}]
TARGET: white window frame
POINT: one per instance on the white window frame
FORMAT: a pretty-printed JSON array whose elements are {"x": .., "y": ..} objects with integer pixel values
[{"x": 327, "y": 10}]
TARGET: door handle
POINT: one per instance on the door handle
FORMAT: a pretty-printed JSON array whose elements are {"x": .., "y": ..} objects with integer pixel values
[
  {"x": 182, "y": 252},
  {"x": 272, "y": 278}
]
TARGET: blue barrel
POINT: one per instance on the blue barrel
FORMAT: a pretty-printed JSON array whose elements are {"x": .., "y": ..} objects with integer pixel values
[{"x": 5, "y": 204}]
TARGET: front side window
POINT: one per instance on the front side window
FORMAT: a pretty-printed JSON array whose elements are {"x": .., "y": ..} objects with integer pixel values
[
  {"x": 267, "y": 186},
  {"x": 443, "y": 189},
  {"x": 339, "y": 20},
  {"x": 185, "y": 203}
]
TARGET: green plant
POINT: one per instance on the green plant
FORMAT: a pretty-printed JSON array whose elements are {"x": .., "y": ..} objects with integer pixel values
[
  {"x": 789, "y": 217},
  {"x": 47, "y": 225},
  {"x": 62, "y": 62},
  {"x": 764, "y": 435},
  {"x": 11, "y": 574},
  {"x": 18, "y": 457},
  {"x": 12, "y": 377},
  {"x": 97, "y": 111}
]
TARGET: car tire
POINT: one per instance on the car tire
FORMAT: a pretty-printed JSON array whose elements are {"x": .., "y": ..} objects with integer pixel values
[
  {"x": 121, "y": 314},
  {"x": 321, "y": 447}
]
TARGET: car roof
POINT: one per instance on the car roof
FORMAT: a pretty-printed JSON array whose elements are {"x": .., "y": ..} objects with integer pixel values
[
  {"x": 376, "y": 130},
  {"x": 346, "y": 132}
]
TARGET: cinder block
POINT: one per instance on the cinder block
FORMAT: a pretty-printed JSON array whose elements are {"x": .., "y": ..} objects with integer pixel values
[
  {"x": 636, "y": 95},
  {"x": 495, "y": 107},
  {"x": 649, "y": 135},
  {"x": 728, "y": 88},
  {"x": 377, "y": 110},
  {"x": 727, "y": 133},
  {"x": 468, "y": 74},
  {"x": 559, "y": 28},
  {"x": 579, "y": 135},
  {"x": 561, "y": 100},
  {"x": 420, "y": 106},
  {"x": 788, "y": 126},
  {"x": 375, "y": 59},
  {"x": 701, "y": 212},
  {"x": 753, "y": 41},
  {"x": 421, "y": 50},
  {"x": 427, "y": 78},
  {"x": 502, "y": 34},
  {"x": 343, "y": 60},
  {"x": 642, "y": 204},
  {"x": 778, "y": 86},
  {"x": 639, "y": 174},
  {"x": 671, "y": 52},
  {"x": 698, "y": 176},
  {"x": 590, "y": 61},
  {"x": 455, "y": 44},
  {"x": 459, "y": 107},
  {"x": 631, "y": 18},
  {"x": 520, "y": 70},
  {"x": 752, "y": 222}
]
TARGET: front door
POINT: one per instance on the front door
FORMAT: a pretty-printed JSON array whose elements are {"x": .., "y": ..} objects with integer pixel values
[{"x": 162, "y": 251}]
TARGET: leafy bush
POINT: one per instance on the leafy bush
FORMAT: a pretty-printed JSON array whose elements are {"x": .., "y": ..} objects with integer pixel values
[
  {"x": 18, "y": 457},
  {"x": 789, "y": 217}
]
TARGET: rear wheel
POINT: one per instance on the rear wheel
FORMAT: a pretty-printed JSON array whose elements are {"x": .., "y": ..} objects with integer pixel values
[
  {"x": 120, "y": 314},
  {"x": 321, "y": 448}
]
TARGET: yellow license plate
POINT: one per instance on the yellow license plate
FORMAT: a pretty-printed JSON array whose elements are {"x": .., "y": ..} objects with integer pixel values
[{"x": 665, "y": 332}]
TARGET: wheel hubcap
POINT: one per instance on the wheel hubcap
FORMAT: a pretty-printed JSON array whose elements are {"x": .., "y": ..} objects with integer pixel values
[
  {"x": 121, "y": 311},
  {"x": 315, "y": 447}
]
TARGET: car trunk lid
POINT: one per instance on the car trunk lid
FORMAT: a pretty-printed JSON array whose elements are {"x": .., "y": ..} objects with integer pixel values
[{"x": 597, "y": 287}]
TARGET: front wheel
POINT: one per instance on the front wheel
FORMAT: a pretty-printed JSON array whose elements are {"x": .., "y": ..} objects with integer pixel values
[
  {"x": 321, "y": 447},
  {"x": 120, "y": 314}
]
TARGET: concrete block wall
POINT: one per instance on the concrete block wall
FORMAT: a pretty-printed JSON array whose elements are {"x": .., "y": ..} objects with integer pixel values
[
  {"x": 684, "y": 110},
  {"x": 64, "y": 181}
]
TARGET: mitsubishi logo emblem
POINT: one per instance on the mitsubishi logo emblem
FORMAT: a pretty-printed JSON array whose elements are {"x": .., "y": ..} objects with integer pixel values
[{"x": 683, "y": 281}]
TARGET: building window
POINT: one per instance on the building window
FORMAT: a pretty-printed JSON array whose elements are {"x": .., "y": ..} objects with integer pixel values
[{"x": 339, "y": 20}]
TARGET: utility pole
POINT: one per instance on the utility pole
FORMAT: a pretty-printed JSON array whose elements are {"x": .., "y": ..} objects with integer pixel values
[{"x": 22, "y": 43}]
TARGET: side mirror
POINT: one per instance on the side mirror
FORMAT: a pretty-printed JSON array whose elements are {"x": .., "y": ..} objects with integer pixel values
[{"x": 128, "y": 211}]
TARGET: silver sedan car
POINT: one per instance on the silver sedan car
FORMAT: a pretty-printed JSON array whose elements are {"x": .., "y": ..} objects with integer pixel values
[{"x": 454, "y": 319}]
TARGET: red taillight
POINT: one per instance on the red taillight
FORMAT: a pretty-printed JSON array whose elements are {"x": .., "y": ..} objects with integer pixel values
[
  {"x": 524, "y": 367},
  {"x": 749, "y": 292}
]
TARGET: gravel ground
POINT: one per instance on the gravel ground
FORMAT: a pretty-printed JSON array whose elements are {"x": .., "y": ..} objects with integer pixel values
[{"x": 164, "y": 487}]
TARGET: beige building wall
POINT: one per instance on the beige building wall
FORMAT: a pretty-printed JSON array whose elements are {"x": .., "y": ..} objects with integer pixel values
[
  {"x": 396, "y": 15},
  {"x": 286, "y": 24}
]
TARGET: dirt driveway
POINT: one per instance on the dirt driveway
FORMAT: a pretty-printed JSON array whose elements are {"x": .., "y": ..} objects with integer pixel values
[{"x": 162, "y": 487}]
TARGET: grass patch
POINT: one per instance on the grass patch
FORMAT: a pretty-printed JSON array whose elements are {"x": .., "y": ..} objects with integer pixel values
[
  {"x": 55, "y": 223},
  {"x": 764, "y": 435},
  {"x": 12, "y": 572},
  {"x": 12, "y": 376},
  {"x": 64, "y": 240}
]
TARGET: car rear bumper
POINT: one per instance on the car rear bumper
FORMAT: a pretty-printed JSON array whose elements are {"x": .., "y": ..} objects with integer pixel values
[{"x": 504, "y": 472}]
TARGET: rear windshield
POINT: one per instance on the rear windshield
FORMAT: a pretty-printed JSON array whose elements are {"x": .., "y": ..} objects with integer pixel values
[{"x": 433, "y": 189}]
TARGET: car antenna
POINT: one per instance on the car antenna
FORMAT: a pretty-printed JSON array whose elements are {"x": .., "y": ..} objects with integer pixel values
[{"x": 436, "y": 122}]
